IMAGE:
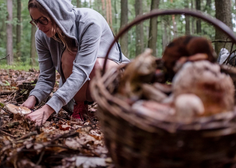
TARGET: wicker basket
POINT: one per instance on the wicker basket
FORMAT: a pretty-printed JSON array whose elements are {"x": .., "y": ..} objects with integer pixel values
[{"x": 136, "y": 140}]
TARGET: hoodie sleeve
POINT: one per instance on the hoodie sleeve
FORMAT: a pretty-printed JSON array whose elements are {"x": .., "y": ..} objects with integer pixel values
[
  {"x": 82, "y": 67},
  {"x": 46, "y": 78}
]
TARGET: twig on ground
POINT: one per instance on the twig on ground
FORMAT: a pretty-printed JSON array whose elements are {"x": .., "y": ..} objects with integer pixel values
[
  {"x": 60, "y": 146},
  {"x": 3, "y": 132},
  {"x": 28, "y": 135},
  {"x": 42, "y": 118},
  {"x": 61, "y": 118},
  {"x": 41, "y": 157},
  {"x": 9, "y": 97},
  {"x": 73, "y": 133}
]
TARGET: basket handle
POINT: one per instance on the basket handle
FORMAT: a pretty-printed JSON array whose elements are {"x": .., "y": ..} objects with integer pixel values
[{"x": 215, "y": 22}]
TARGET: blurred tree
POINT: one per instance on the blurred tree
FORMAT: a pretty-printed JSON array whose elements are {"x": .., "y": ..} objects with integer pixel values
[
  {"x": 165, "y": 24},
  {"x": 174, "y": 24},
  {"x": 116, "y": 20},
  {"x": 208, "y": 6},
  {"x": 187, "y": 19},
  {"x": 109, "y": 13},
  {"x": 32, "y": 46},
  {"x": 123, "y": 22},
  {"x": 78, "y": 3},
  {"x": 3, "y": 17},
  {"x": 152, "y": 40},
  {"x": 103, "y": 7},
  {"x": 18, "y": 31},
  {"x": 139, "y": 27},
  {"x": 9, "y": 34},
  {"x": 198, "y": 23},
  {"x": 223, "y": 13},
  {"x": 192, "y": 19}
]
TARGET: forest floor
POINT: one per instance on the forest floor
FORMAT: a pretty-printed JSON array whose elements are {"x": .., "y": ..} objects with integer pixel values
[{"x": 59, "y": 143}]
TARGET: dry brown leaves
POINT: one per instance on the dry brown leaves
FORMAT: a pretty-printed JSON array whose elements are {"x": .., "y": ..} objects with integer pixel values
[{"x": 60, "y": 142}]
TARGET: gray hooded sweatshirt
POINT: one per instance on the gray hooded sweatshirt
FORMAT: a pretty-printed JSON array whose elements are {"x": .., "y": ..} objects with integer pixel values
[{"x": 92, "y": 36}]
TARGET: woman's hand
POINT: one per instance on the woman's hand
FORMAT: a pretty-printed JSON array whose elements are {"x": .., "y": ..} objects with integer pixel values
[
  {"x": 30, "y": 102},
  {"x": 41, "y": 115}
]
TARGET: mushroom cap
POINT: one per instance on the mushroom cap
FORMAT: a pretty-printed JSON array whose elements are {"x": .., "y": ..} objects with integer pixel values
[
  {"x": 204, "y": 79},
  {"x": 17, "y": 110},
  {"x": 189, "y": 105},
  {"x": 140, "y": 70},
  {"x": 186, "y": 46}
]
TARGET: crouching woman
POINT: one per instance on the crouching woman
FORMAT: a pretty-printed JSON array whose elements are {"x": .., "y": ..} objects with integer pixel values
[{"x": 74, "y": 42}]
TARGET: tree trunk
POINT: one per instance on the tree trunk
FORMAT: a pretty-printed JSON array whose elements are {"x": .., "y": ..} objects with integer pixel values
[
  {"x": 223, "y": 13},
  {"x": 139, "y": 27},
  {"x": 208, "y": 3},
  {"x": 3, "y": 36},
  {"x": 9, "y": 34},
  {"x": 103, "y": 8},
  {"x": 78, "y": 3},
  {"x": 110, "y": 14},
  {"x": 123, "y": 22},
  {"x": 187, "y": 20},
  {"x": 115, "y": 10},
  {"x": 152, "y": 40},
  {"x": 174, "y": 24},
  {"x": 193, "y": 19},
  {"x": 198, "y": 23},
  {"x": 32, "y": 46},
  {"x": 208, "y": 6},
  {"x": 18, "y": 31},
  {"x": 107, "y": 12},
  {"x": 164, "y": 36}
]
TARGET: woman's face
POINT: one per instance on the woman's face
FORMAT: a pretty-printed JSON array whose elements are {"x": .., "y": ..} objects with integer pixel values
[{"x": 42, "y": 22}]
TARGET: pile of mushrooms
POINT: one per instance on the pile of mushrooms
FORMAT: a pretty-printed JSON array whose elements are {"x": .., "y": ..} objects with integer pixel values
[{"x": 198, "y": 89}]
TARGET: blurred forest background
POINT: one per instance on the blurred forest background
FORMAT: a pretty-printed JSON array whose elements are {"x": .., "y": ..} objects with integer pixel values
[{"x": 17, "y": 46}]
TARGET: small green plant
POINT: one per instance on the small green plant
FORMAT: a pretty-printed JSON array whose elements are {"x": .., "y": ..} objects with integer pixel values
[
  {"x": 6, "y": 83},
  {"x": 2, "y": 105}
]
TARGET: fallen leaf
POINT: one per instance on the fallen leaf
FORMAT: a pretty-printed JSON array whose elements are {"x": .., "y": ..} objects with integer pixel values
[{"x": 90, "y": 162}]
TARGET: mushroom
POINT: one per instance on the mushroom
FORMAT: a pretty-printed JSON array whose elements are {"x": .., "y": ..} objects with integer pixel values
[
  {"x": 153, "y": 110},
  {"x": 204, "y": 79},
  {"x": 152, "y": 93},
  {"x": 140, "y": 70},
  {"x": 17, "y": 109},
  {"x": 187, "y": 106},
  {"x": 186, "y": 46}
]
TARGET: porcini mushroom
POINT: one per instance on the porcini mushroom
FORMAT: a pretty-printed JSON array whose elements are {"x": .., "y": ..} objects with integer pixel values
[{"x": 204, "y": 79}]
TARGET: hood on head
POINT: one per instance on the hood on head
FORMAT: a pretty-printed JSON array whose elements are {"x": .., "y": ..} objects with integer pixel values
[{"x": 62, "y": 12}]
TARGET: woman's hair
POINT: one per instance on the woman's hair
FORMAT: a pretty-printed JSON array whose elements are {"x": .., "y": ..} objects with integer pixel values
[{"x": 59, "y": 35}]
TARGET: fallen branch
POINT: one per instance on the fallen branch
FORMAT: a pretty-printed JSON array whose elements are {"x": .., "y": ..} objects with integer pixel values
[{"x": 7, "y": 92}]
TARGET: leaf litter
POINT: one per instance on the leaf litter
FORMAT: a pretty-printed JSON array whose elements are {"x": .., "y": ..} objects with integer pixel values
[{"x": 59, "y": 143}]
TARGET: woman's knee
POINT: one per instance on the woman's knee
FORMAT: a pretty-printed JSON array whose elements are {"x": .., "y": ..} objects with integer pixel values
[{"x": 109, "y": 64}]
